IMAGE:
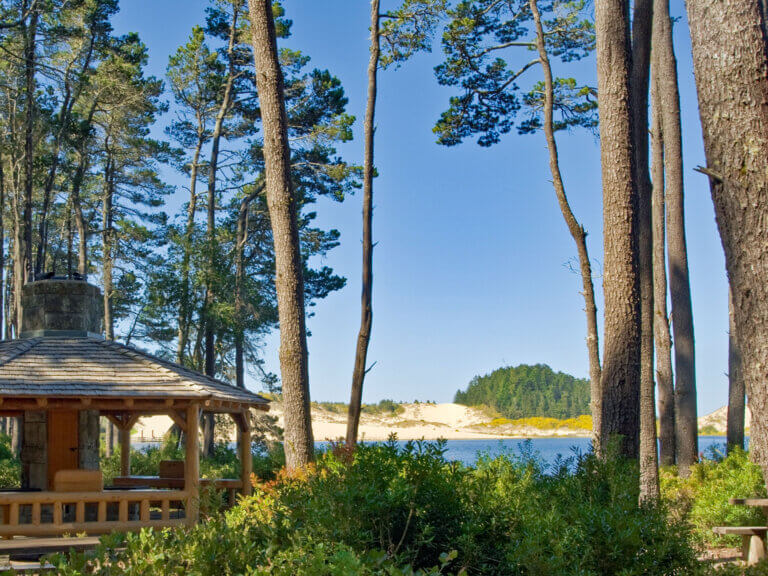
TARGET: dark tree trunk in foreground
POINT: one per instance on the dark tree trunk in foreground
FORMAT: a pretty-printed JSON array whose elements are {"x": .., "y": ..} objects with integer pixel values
[
  {"x": 366, "y": 300},
  {"x": 663, "y": 340},
  {"x": 736, "y": 392},
  {"x": 30, "y": 57},
  {"x": 731, "y": 69},
  {"x": 576, "y": 230},
  {"x": 641, "y": 66},
  {"x": 299, "y": 443},
  {"x": 620, "y": 380}
]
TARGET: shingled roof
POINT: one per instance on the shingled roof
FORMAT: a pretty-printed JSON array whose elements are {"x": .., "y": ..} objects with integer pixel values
[{"x": 91, "y": 367}]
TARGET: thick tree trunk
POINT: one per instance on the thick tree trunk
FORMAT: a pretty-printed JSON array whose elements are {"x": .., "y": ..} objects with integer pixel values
[
  {"x": 576, "y": 230},
  {"x": 736, "y": 392},
  {"x": 641, "y": 67},
  {"x": 686, "y": 420},
  {"x": 731, "y": 69},
  {"x": 366, "y": 299},
  {"x": 283, "y": 211},
  {"x": 620, "y": 379},
  {"x": 664, "y": 376}
]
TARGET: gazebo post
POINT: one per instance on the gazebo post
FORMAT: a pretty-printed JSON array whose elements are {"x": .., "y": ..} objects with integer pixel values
[
  {"x": 125, "y": 451},
  {"x": 246, "y": 459},
  {"x": 192, "y": 465}
]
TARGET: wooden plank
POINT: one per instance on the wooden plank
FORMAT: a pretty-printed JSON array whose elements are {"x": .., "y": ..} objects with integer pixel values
[
  {"x": 757, "y": 502},
  {"x": 144, "y": 511},
  {"x": 192, "y": 466},
  {"x": 741, "y": 530},
  {"x": 90, "y": 528},
  {"x": 17, "y": 498},
  {"x": 47, "y": 545}
]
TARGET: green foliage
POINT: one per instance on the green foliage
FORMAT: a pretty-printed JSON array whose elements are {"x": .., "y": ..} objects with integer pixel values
[
  {"x": 389, "y": 510},
  {"x": 525, "y": 391},
  {"x": 10, "y": 466},
  {"x": 702, "y": 498},
  {"x": 489, "y": 47}
]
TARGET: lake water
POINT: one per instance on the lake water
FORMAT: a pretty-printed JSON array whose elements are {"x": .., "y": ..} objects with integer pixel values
[{"x": 547, "y": 450}]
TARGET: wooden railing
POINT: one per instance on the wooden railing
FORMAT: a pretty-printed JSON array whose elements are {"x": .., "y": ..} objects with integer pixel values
[{"x": 56, "y": 513}]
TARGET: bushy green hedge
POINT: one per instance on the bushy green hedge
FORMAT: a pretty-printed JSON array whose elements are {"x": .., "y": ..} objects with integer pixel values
[{"x": 386, "y": 509}]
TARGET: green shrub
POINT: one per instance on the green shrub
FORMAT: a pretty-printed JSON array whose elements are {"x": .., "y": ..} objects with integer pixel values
[
  {"x": 10, "y": 466},
  {"x": 702, "y": 498},
  {"x": 385, "y": 509}
]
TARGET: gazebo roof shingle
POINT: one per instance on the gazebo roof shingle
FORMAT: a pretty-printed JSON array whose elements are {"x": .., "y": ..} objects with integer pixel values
[{"x": 67, "y": 367}]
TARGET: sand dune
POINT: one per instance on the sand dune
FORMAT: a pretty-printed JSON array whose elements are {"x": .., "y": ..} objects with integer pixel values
[{"x": 414, "y": 421}]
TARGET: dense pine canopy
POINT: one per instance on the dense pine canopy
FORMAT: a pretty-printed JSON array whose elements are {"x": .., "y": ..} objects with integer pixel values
[{"x": 524, "y": 391}]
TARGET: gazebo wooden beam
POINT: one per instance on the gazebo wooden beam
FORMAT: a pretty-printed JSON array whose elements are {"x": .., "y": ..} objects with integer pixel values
[
  {"x": 145, "y": 406},
  {"x": 192, "y": 465}
]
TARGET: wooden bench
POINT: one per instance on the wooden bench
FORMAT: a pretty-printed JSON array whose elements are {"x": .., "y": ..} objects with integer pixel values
[
  {"x": 753, "y": 540},
  {"x": 34, "y": 548}
]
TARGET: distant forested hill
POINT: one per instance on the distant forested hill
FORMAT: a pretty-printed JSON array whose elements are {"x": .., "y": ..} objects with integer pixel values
[{"x": 524, "y": 391}]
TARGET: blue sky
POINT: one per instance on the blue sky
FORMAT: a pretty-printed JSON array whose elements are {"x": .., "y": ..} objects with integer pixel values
[{"x": 471, "y": 266}]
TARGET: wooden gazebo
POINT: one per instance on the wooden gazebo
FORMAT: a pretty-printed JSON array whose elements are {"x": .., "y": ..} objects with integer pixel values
[{"x": 59, "y": 378}]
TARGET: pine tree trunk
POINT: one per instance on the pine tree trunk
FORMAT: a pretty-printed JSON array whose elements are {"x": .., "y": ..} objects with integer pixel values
[
  {"x": 620, "y": 379},
  {"x": 283, "y": 211},
  {"x": 106, "y": 215},
  {"x": 2, "y": 248},
  {"x": 736, "y": 393},
  {"x": 366, "y": 300},
  {"x": 731, "y": 69},
  {"x": 663, "y": 340},
  {"x": 641, "y": 60},
  {"x": 686, "y": 417},
  {"x": 576, "y": 230},
  {"x": 184, "y": 309},
  {"x": 30, "y": 57}
]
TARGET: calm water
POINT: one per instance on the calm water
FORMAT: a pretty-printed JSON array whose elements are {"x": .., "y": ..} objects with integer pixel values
[{"x": 547, "y": 450}]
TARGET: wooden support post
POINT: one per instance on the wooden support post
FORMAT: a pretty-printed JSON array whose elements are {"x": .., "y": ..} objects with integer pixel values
[
  {"x": 192, "y": 465},
  {"x": 246, "y": 459},
  {"x": 125, "y": 451}
]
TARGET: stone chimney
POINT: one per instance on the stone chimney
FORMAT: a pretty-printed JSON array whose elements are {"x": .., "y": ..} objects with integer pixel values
[{"x": 61, "y": 307}]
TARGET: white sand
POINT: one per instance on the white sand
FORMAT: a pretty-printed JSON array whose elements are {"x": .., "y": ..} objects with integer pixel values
[{"x": 416, "y": 421}]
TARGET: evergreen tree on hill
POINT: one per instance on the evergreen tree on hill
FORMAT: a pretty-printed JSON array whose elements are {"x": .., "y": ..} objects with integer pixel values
[{"x": 528, "y": 390}]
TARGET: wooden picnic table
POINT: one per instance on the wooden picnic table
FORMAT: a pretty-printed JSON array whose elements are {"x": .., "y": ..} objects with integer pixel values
[{"x": 753, "y": 537}]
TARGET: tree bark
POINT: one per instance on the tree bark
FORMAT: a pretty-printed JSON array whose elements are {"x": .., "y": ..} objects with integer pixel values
[
  {"x": 184, "y": 309},
  {"x": 664, "y": 375},
  {"x": 283, "y": 211},
  {"x": 576, "y": 230},
  {"x": 641, "y": 67},
  {"x": 736, "y": 392},
  {"x": 686, "y": 418},
  {"x": 2, "y": 248},
  {"x": 620, "y": 378},
  {"x": 366, "y": 299},
  {"x": 731, "y": 69},
  {"x": 107, "y": 239},
  {"x": 30, "y": 57},
  {"x": 210, "y": 324}
]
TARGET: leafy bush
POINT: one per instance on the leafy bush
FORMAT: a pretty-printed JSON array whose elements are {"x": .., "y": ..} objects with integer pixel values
[
  {"x": 385, "y": 510},
  {"x": 702, "y": 498},
  {"x": 10, "y": 466}
]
